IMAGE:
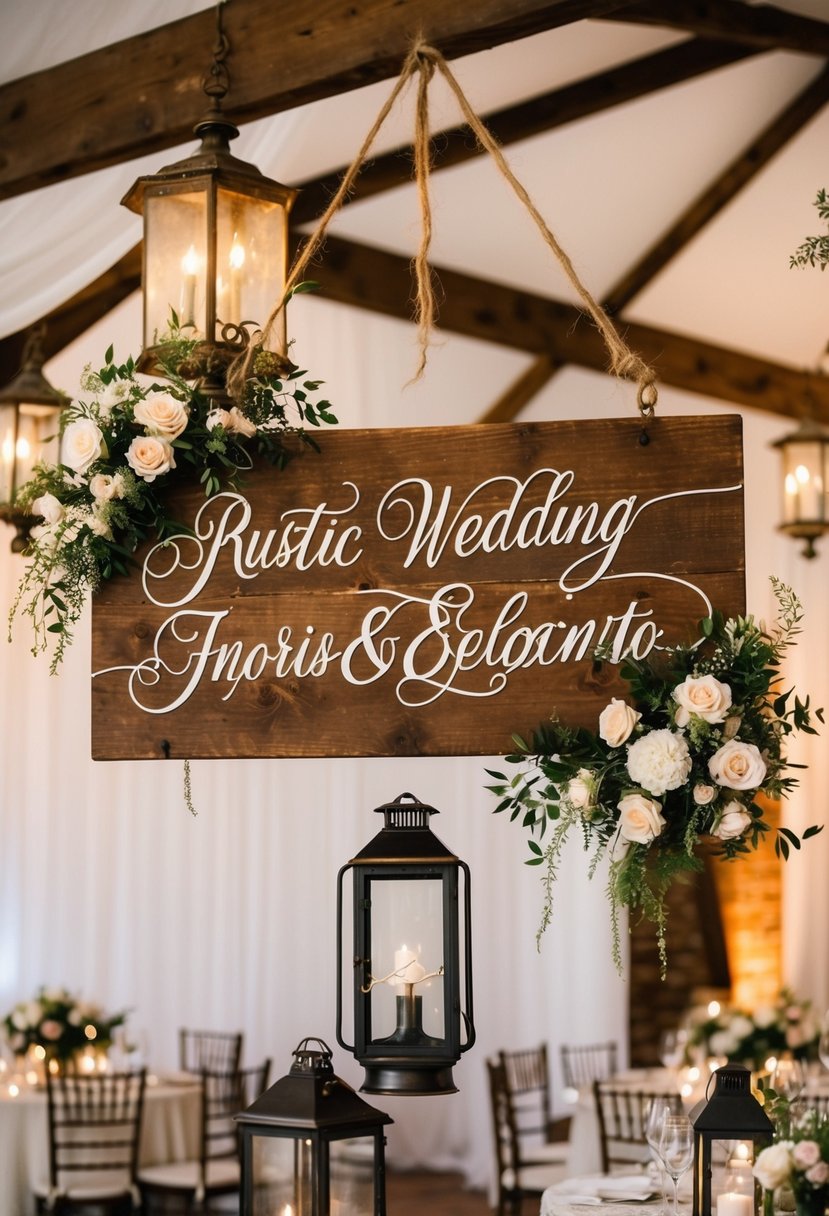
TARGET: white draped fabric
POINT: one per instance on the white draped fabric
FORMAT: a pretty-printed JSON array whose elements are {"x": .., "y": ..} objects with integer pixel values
[{"x": 109, "y": 886}]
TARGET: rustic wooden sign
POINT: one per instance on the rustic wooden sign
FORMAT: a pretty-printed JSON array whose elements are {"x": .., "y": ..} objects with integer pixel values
[{"x": 418, "y": 592}]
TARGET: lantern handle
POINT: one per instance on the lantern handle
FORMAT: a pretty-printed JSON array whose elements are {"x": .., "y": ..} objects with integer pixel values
[
  {"x": 469, "y": 1025},
  {"x": 339, "y": 1023}
]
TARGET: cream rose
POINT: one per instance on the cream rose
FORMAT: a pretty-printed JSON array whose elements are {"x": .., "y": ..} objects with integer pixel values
[
  {"x": 640, "y": 818},
  {"x": 773, "y": 1166},
  {"x": 703, "y": 794},
  {"x": 240, "y": 423},
  {"x": 49, "y": 507},
  {"x": 217, "y": 418},
  {"x": 704, "y": 696},
  {"x": 616, "y": 721},
  {"x": 83, "y": 443},
  {"x": 818, "y": 1175},
  {"x": 150, "y": 456},
  {"x": 579, "y": 790},
  {"x": 738, "y": 766},
  {"x": 162, "y": 415},
  {"x": 733, "y": 821},
  {"x": 104, "y": 486},
  {"x": 805, "y": 1154},
  {"x": 659, "y": 761}
]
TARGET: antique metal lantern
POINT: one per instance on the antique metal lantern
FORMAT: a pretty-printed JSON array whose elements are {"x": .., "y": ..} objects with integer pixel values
[
  {"x": 805, "y": 455},
  {"x": 310, "y": 1146},
  {"x": 215, "y": 246},
  {"x": 730, "y": 1128},
  {"x": 29, "y": 432},
  {"x": 408, "y": 952}
]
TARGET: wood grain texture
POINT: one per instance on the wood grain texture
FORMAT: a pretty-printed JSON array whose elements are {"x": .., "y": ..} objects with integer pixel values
[{"x": 391, "y": 656}]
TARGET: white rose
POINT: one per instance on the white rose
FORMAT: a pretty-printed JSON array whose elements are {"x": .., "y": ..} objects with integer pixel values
[
  {"x": 738, "y": 765},
  {"x": 721, "y": 1043},
  {"x": 49, "y": 507},
  {"x": 704, "y": 696},
  {"x": 83, "y": 443},
  {"x": 773, "y": 1166},
  {"x": 240, "y": 423},
  {"x": 703, "y": 794},
  {"x": 98, "y": 526},
  {"x": 112, "y": 395},
  {"x": 640, "y": 818},
  {"x": 616, "y": 721},
  {"x": 105, "y": 487},
  {"x": 162, "y": 415},
  {"x": 764, "y": 1016},
  {"x": 217, "y": 418},
  {"x": 579, "y": 790},
  {"x": 733, "y": 821},
  {"x": 740, "y": 1026},
  {"x": 150, "y": 457},
  {"x": 659, "y": 761}
]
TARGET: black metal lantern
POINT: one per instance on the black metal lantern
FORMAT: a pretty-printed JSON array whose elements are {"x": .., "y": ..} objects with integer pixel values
[
  {"x": 406, "y": 970},
  {"x": 311, "y": 1146},
  {"x": 29, "y": 432},
  {"x": 215, "y": 246},
  {"x": 730, "y": 1127},
  {"x": 805, "y": 455}
]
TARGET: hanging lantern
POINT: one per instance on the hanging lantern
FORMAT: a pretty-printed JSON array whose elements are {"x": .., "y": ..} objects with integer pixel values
[
  {"x": 730, "y": 1128},
  {"x": 407, "y": 957},
  {"x": 215, "y": 247},
  {"x": 310, "y": 1146},
  {"x": 805, "y": 469},
  {"x": 29, "y": 433}
]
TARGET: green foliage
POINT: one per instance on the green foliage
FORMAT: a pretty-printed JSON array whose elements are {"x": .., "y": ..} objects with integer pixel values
[
  {"x": 814, "y": 251},
  {"x": 684, "y": 757}
]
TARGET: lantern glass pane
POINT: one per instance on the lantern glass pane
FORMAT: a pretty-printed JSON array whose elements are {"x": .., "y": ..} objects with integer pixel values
[
  {"x": 804, "y": 482},
  {"x": 8, "y": 432},
  {"x": 250, "y": 258},
  {"x": 732, "y": 1180},
  {"x": 352, "y": 1176},
  {"x": 176, "y": 260},
  {"x": 406, "y": 953},
  {"x": 283, "y": 1176}
]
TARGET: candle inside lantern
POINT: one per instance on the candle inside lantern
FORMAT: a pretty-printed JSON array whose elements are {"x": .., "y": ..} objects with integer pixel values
[
  {"x": 189, "y": 269},
  {"x": 407, "y": 967},
  {"x": 732, "y": 1203},
  {"x": 236, "y": 259}
]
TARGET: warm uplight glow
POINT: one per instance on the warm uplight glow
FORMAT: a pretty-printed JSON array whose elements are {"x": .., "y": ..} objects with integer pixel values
[
  {"x": 39, "y": 1052},
  {"x": 713, "y": 1009},
  {"x": 90, "y": 1031}
]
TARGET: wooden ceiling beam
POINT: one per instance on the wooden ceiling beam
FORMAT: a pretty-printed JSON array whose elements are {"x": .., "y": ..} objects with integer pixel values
[
  {"x": 592, "y": 95},
  {"x": 145, "y": 93},
  {"x": 760, "y": 25},
  {"x": 371, "y": 278}
]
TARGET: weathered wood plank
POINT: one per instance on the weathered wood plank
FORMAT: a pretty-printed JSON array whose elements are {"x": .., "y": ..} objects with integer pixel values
[
  {"x": 429, "y": 599},
  {"x": 145, "y": 93},
  {"x": 760, "y": 25}
]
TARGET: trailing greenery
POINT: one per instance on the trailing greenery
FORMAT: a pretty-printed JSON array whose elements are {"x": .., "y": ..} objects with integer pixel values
[
  {"x": 814, "y": 251},
  {"x": 684, "y": 756}
]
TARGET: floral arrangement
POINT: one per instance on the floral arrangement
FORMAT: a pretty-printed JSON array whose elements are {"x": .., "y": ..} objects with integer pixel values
[
  {"x": 814, "y": 251},
  {"x": 59, "y": 1023},
  {"x": 798, "y": 1159},
  {"x": 685, "y": 756},
  {"x": 789, "y": 1025},
  {"x": 122, "y": 444}
]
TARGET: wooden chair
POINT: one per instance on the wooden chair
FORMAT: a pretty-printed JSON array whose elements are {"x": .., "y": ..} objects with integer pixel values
[
  {"x": 213, "y": 1050},
  {"x": 622, "y": 1112},
  {"x": 528, "y": 1079},
  {"x": 521, "y": 1173},
  {"x": 192, "y": 1184},
  {"x": 94, "y": 1127},
  {"x": 584, "y": 1063}
]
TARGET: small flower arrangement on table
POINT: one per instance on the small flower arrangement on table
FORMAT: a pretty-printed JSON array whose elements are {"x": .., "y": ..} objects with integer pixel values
[
  {"x": 60, "y": 1024},
  {"x": 798, "y": 1158},
  {"x": 123, "y": 445},
  {"x": 682, "y": 758},
  {"x": 752, "y": 1037}
]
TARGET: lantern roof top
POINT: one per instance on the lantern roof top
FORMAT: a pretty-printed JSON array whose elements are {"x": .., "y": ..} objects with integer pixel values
[
  {"x": 732, "y": 1107},
  {"x": 406, "y": 836}
]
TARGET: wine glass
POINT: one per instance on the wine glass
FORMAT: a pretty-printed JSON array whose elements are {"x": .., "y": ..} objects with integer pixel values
[
  {"x": 655, "y": 1113},
  {"x": 672, "y": 1047},
  {"x": 676, "y": 1148},
  {"x": 787, "y": 1078}
]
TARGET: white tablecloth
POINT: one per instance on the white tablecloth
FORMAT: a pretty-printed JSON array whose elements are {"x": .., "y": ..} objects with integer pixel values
[{"x": 170, "y": 1132}]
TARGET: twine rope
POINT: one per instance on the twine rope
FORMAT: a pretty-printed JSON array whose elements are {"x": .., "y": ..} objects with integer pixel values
[{"x": 424, "y": 60}]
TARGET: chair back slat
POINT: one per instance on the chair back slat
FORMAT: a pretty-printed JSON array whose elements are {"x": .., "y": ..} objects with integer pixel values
[
  {"x": 526, "y": 1076},
  {"x": 584, "y": 1063},
  {"x": 214, "y": 1050},
  {"x": 622, "y": 1113},
  {"x": 94, "y": 1125}
]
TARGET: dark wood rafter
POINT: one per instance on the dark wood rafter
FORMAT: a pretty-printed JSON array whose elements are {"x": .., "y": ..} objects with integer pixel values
[
  {"x": 628, "y": 82},
  {"x": 721, "y": 191},
  {"x": 639, "y": 78},
  {"x": 370, "y": 278},
  {"x": 145, "y": 93},
  {"x": 758, "y": 25}
]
